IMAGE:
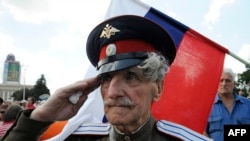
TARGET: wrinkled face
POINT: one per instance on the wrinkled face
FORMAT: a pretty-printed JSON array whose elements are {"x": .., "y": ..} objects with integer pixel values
[
  {"x": 226, "y": 84},
  {"x": 128, "y": 96}
]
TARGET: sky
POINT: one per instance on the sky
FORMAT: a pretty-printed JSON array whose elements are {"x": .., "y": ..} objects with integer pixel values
[{"x": 48, "y": 36}]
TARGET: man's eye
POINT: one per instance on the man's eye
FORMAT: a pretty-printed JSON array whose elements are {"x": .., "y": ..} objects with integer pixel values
[
  {"x": 106, "y": 78},
  {"x": 131, "y": 76}
]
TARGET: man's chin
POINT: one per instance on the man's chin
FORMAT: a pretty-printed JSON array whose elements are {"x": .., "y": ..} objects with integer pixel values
[
  {"x": 117, "y": 110},
  {"x": 116, "y": 120}
]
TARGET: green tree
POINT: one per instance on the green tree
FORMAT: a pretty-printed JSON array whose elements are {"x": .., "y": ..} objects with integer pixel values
[
  {"x": 243, "y": 81},
  {"x": 18, "y": 95},
  {"x": 40, "y": 88}
]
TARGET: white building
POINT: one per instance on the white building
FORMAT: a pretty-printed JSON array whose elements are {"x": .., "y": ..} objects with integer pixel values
[{"x": 11, "y": 78}]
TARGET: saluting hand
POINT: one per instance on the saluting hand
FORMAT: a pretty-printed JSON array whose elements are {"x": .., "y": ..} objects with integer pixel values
[{"x": 58, "y": 107}]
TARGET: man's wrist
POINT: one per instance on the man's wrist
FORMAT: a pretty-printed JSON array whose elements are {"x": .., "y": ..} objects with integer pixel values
[{"x": 36, "y": 115}]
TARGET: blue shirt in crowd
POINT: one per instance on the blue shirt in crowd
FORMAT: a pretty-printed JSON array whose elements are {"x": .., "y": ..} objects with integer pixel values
[{"x": 220, "y": 116}]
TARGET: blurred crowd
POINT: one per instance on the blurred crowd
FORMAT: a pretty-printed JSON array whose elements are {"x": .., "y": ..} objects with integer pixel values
[{"x": 9, "y": 111}]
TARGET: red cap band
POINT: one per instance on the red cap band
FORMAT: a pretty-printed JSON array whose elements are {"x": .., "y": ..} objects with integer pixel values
[{"x": 126, "y": 46}]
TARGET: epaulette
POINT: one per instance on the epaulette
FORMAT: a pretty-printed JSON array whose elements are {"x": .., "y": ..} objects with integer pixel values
[
  {"x": 180, "y": 131},
  {"x": 93, "y": 129}
]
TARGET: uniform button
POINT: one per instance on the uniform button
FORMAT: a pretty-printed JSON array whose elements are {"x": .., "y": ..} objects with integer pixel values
[{"x": 127, "y": 138}]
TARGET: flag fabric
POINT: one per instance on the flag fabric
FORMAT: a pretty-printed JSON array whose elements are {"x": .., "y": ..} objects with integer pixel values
[{"x": 190, "y": 86}]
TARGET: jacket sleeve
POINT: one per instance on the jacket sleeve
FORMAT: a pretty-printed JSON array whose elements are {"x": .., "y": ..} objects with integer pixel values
[{"x": 25, "y": 129}]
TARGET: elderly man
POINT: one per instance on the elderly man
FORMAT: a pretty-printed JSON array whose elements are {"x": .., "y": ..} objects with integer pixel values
[
  {"x": 132, "y": 55},
  {"x": 229, "y": 108}
]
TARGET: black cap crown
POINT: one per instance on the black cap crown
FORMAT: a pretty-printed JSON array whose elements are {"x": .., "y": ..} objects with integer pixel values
[{"x": 122, "y": 42}]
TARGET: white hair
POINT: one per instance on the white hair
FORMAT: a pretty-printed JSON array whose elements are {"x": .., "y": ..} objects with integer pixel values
[
  {"x": 230, "y": 72},
  {"x": 154, "y": 67}
]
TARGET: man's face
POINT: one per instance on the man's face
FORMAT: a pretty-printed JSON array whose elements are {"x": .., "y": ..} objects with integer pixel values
[
  {"x": 30, "y": 101},
  {"x": 128, "y": 96},
  {"x": 226, "y": 84}
]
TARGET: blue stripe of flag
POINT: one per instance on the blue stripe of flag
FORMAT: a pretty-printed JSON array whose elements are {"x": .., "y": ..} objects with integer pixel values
[{"x": 175, "y": 28}]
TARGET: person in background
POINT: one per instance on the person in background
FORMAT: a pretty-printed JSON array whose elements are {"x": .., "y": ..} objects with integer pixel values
[
  {"x": 30, "y": 103},
  {"x": 132, "y": 54},
  {"x": 229, "y": 108},
  {"x": 23, "y": 103},
  {"x": 3, "y": 108},
  {"x": 241, "y": 92},
  {"x": 8, "y": 102},
  {"x": 1, "y": 100},
  {"x": 9, "y": 117}
]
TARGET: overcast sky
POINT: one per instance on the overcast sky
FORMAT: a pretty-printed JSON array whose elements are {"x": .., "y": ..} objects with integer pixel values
[{"x": 48, "y": 36}]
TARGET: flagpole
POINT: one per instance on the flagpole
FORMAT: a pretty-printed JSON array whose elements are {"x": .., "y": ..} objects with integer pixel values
[
  {"x": 247, "y": 64},
  {"x": 239, "y": 59}
]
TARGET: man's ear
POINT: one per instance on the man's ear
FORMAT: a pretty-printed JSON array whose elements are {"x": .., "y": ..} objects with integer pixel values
[{"x": 158, "y": 94}]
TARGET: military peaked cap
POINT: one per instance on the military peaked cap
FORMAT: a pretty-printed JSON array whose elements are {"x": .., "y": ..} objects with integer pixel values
[{"x": 124, "y": 41}]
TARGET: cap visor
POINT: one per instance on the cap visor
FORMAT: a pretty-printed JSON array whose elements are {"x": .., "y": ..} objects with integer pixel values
[{"x": 119, "y": 65}]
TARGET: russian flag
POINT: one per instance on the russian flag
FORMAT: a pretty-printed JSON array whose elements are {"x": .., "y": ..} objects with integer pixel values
[{"x": 191, "y": 84}]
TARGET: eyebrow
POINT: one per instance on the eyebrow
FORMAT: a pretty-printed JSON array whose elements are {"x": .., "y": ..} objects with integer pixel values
[{"x": 135, "y": 70}]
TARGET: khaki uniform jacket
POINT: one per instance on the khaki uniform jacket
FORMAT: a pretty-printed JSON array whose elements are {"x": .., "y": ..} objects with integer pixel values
[{"x": 26, "y": 129}]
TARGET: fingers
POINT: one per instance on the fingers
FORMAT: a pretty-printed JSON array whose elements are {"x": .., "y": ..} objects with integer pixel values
[
  {"x": 84, "y": 85},
  {"x": 60, "y": 106},
  {"x": 75, "y": 97},
  {"x": 86, "y": 88}
]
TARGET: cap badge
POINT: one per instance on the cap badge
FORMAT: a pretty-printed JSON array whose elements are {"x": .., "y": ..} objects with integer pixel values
[
  {"x": 108, "y": 31},
  {"x": 111, "y": 50}
]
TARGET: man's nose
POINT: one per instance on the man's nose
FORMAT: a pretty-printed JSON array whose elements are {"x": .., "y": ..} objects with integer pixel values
[
  {"x": 223, "y": 82},
  {"x": 115, "y": 87}
]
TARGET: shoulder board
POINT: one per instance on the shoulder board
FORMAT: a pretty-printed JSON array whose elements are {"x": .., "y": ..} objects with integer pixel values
[
  {"x": 180, "y": 131},
  {"x": 93, "y": 129}
]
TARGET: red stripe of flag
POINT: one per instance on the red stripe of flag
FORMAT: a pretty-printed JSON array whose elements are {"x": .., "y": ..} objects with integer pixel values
[{"x": 191, "y": 84}]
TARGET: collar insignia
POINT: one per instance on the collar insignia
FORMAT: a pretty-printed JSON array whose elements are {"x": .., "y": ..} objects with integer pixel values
[{"x": 108, "y": 31}]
